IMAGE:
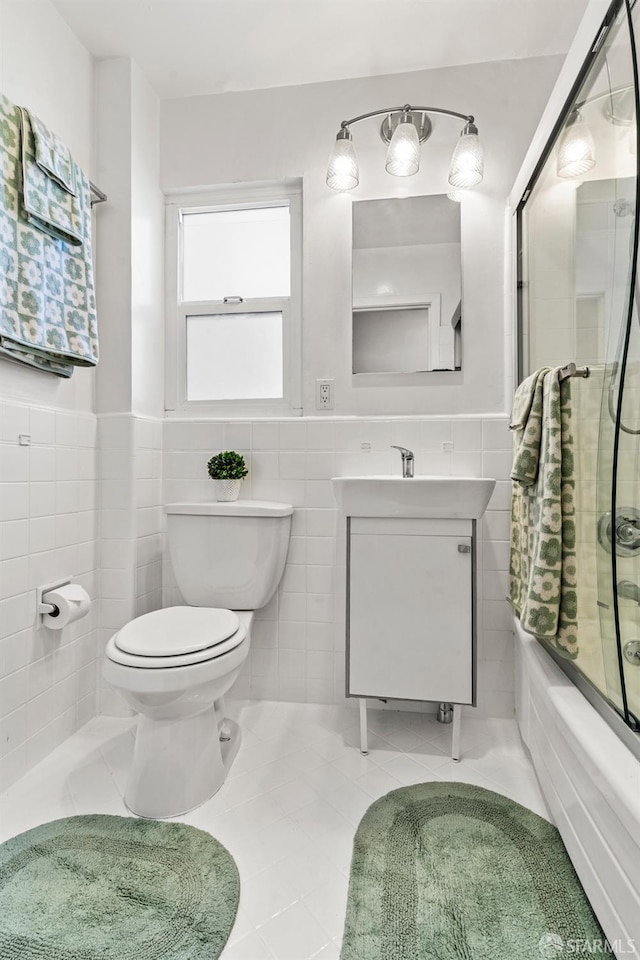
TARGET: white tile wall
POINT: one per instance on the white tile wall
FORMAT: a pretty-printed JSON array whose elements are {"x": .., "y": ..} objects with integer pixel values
[
  {"x": 298, "y": 646},
  {"x": 131, "y": 520},
  {"x": 72, "y": 506},
  {"x": 48, "y": 531}
]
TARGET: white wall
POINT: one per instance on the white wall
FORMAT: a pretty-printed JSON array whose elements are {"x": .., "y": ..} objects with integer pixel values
[
  {"x": 147, "y": 252},
  {"x": 43, "y": 66},
  {"x": 48, "y": 492},
  {"x": 298, "y": 641},
  {"x": 288, "y": 132},
  {"x": 131, "y": 374},
  {"x": 131, "y": 242}
]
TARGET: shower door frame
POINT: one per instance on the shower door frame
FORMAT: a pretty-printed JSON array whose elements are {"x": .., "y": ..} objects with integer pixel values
[{"x": 626, "y": 725}]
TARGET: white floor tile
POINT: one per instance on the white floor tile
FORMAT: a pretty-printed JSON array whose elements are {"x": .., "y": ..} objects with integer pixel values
[
  {"x": 294, "y": 934},
  {"x": 328, "y": 901},
  {"x": 261, "y": 898},
  {"x": 251, "y": 947},
  {"x": 290, "y": 807},
  {"x": 408, "y": 771},
  {"x": 378, "y": 782}
]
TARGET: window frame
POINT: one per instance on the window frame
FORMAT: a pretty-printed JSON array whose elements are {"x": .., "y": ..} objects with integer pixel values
[{"x": 236, "y": 197}]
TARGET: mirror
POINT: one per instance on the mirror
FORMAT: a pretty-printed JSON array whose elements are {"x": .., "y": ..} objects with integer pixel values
[{"x": 407, "y": 311}]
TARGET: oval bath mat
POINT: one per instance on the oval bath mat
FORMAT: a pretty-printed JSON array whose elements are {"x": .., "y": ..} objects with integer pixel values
[
  {"x": 449, "y": 871},
  {"x": 115, "y": 888}
]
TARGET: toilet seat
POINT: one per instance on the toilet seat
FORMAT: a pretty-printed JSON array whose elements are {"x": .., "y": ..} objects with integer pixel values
[{"x": 176, "y": 637}]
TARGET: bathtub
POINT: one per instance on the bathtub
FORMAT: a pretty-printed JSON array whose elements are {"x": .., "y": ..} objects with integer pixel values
[{"x": 591, "y": 782}]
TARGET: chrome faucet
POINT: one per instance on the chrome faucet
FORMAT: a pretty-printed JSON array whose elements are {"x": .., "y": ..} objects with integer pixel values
[{"x": 407, "y": 460}]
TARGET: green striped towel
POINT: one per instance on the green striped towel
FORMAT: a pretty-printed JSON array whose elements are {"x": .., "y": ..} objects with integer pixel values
[
  {"x": 47, "y": 301},
  {"x": 543, "y": 537}
]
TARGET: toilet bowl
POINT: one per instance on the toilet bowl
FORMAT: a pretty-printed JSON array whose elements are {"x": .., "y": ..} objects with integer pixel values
[{"x": 174, "y": 666}]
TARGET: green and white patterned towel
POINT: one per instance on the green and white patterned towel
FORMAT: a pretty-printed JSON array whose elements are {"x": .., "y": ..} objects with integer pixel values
[
  {"x": 47, "y": 300},
  {"x": 526, "y": 423},
  {"x": 543, "y": 536},
  {"x": 47, "y": 204},
  {"x": 53, "y": 156}
]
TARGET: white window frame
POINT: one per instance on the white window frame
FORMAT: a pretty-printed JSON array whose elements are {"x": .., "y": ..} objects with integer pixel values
[{"x": 235, "y": 196}]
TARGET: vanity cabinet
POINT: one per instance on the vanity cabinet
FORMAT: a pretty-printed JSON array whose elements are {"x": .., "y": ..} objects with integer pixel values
[
  {"x": 410, "y": 610},
  {"x": 411, "y": 597}
]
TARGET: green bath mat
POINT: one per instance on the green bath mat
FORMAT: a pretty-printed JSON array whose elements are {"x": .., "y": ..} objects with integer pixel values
[
  {"x": 115, "y": 888},
  {"x": 449, "y": 871}
]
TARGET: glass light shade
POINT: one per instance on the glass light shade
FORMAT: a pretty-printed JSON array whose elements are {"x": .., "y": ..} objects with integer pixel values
[
  {"x": 467, "y": 163},
  {"x": 342, "y": 172},
  {"x": 455, "y": 195},
  {"x": 403, "y": 154},
  {"x": 576, "y": 149}
]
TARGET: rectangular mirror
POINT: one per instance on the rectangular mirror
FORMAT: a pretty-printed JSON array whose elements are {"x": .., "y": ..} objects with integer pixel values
[{"x": 407, "y": 310}]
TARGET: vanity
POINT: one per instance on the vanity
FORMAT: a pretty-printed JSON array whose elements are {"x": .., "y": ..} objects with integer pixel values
[{"x": 411, "y": 599}]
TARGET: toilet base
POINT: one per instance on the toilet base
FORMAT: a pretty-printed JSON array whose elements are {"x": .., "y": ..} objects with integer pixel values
[{"x": 178, "y": 764}]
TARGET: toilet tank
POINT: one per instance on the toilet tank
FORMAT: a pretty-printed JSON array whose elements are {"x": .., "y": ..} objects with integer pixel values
[{"x": 228, "y": 554}]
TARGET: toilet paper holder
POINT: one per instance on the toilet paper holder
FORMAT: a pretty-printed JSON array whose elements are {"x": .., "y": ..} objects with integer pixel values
[{"x": 42, "y": 606}]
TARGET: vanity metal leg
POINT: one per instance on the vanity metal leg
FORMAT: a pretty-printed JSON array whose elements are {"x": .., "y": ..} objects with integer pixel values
[
  {"x": 364, "y": 748},
  {"x": 455, "y": 734}
]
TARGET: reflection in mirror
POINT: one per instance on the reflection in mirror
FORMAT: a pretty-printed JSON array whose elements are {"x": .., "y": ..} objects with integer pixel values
[{"x": 407, "y": 311}]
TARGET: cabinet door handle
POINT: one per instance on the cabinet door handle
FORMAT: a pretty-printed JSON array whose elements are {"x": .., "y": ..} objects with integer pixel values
[{"x": 464, "y": 548}]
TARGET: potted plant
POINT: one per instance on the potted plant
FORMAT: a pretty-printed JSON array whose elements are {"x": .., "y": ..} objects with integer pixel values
[{"x": 227, "y": 469}]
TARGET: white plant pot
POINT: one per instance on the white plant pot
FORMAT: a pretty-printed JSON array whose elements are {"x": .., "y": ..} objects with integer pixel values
[{"x": 227, "y": 489}]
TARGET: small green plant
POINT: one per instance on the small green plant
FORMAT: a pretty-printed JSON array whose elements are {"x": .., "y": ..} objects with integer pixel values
[{"x": 228, "y": 465}]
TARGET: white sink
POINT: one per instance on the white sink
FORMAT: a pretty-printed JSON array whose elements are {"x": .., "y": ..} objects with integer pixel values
[{"x": 420, "y": 496}]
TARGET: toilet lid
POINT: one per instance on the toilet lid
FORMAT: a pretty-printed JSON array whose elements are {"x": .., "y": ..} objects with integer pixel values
[{"x": 176, "y": 631}]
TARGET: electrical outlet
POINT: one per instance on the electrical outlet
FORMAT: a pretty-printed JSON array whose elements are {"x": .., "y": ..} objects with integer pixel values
[
  {"x": 324, "y": 394},
  {"x": 365, "y": 446},
  {"x": 447, "y": 446}
]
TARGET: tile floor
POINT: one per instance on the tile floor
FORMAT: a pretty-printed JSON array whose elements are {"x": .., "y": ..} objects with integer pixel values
[{"x": 290, "y": 806}]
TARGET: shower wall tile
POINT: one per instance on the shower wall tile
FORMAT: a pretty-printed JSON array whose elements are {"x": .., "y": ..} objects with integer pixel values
[
  {"x": 48, "y": 531},
  {"x": 298, "y": 647}
]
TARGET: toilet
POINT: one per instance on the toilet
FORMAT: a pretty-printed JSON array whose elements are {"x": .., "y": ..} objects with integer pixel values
[{"x": 174, "y": 666}]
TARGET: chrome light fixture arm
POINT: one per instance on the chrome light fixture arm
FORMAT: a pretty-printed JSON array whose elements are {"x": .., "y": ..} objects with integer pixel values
[{"x": 407, "y": 108}]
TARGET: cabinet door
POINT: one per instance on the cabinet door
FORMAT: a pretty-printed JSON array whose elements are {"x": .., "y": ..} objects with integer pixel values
[{"x": 410, "y": 617}]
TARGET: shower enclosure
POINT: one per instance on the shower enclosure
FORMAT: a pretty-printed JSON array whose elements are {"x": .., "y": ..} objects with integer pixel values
[{"x": 579, "y": 302}]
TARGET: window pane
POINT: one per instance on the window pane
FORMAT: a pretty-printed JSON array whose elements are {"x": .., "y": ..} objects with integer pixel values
[
  {"x": 236, "y": 253},
  {"x": 234, "y": 356}
]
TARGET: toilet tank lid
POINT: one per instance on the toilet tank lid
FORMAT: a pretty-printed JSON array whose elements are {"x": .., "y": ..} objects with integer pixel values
[{"x": 233, "y": 508}]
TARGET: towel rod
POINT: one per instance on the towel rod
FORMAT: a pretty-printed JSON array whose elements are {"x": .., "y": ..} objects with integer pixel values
[
  {"x": 97, "y": 196},
  {"x": 572, "y": 371}
]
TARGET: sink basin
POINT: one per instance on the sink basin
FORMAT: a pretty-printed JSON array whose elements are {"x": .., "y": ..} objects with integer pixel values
[{"x": 420, "y": 496}]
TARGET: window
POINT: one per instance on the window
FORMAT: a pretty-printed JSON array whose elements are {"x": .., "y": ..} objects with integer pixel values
[{"x": 233, "y": 311}]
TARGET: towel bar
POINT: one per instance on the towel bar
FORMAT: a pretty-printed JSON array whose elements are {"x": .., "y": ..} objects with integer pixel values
[
  {"x": 97, "y": 196},
  {"x": 572, "y": 371}
]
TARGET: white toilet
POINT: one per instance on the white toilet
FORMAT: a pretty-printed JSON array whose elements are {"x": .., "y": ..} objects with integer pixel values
[{"x": 174, "y": 666}]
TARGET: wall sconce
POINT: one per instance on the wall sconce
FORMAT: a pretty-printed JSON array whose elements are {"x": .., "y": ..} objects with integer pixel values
[
  {"x": 404, "y": 129},
  {"x": 576, "y": 152},
  {"x": 576, "y": 149}
]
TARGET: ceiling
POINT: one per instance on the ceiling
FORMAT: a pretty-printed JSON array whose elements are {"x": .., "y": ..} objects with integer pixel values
[{"x": 193, "y": 47}]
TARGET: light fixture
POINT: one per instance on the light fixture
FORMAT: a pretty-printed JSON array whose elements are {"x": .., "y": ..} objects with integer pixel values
[
  {"x": 467, "y": 162},
  {"x": 342, "y": 173},
  {"x": 576, "y": 149},
  {"x": 404, "y": 129},
  {"x": 403, "y": 153}
]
